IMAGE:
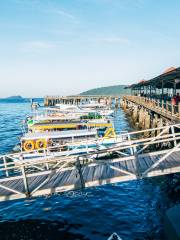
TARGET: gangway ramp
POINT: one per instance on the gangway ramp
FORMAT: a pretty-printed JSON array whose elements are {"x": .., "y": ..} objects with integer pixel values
[{"x": 136, "y": 160}]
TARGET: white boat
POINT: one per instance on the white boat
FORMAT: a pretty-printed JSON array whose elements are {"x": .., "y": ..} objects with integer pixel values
[
  {"x": 65, "y": 143},
  {"x": 86, "y": 108}
]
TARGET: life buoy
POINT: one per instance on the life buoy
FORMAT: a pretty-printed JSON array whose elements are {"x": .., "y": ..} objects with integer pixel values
[
  {"x": 41, "y": 144},
  {"x": 28, "y": 145}
]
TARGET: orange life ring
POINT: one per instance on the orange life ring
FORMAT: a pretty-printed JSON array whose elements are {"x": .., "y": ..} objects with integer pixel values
[
  {"x": 28, "y": 145},
  {"x": 41, "y": 144}
]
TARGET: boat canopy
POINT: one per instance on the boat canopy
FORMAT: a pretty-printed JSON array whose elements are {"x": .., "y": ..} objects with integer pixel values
[{"x": 60, "y": 134}]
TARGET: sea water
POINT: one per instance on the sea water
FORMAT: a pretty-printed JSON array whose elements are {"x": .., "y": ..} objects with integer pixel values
[{"x": 132, "y": 209}]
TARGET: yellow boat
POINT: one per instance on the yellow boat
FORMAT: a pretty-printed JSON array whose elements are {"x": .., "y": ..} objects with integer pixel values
[{"x": 40, "y": 127}]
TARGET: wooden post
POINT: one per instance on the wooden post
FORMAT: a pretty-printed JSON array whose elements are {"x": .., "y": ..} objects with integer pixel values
[
  {"x": 150, "y": 91},
  {"x": 125, "y": 104},
  {"x": 25, "y": 181},
  {"x": 167, "y": 108},
  {"x": 174, "y": 89},
  {"x": 172, "y": 109},
  {"x": 158, "y": 103},
  {"x": 162, "y": 105},
  {"x": 179, "y": 109},
  {"x": 162, "y": 93},
  {"x": 147, "y": 122},
  {"x": 116, "y": 102}
]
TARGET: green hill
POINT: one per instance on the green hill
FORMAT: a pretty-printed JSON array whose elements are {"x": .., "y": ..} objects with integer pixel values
[{"x": 111, "y": 90}]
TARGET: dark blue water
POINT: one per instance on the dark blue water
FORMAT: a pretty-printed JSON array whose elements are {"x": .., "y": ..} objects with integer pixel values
[{"x": 132, "y": 209}]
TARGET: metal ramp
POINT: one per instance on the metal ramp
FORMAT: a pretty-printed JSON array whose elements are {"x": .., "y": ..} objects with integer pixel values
[{"x": 137, "y": 158}]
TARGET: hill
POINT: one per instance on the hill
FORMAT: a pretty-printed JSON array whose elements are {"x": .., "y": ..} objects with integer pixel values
[
  {"x": 14, "y": 99},
  {"x": 111, "y": 90}
]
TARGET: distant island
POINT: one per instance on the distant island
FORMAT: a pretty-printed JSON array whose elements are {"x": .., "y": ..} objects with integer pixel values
[
  {"x": 111, "y": 90},
  {"x": 14, "y": 99}
]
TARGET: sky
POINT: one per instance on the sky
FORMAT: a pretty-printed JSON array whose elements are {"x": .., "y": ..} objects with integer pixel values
[{"x": 61, "y": 47}]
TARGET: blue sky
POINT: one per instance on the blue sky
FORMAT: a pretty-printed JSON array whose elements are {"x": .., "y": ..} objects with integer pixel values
[{"x": 68, "y": 46}]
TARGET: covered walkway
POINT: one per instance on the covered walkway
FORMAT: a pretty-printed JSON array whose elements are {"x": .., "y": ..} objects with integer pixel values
[{"x": 164, "y": 86}]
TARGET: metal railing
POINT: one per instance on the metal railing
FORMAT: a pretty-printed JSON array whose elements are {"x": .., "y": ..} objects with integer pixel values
[{"x": 15, "y": 167}]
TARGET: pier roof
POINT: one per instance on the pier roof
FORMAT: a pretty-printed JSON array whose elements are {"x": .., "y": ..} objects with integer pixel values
[{"x": 168, "y": 79}]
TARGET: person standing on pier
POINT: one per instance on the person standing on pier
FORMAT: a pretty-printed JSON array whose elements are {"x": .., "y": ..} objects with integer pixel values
[
  {"x": 173, "y": 102},
  {"x": 177, "y": 98}
]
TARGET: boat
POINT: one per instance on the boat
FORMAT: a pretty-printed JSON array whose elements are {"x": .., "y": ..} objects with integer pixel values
[
  {"x": 70, "y": 125},
  {"x": 66, "y": 143},
  {"x": 86, "y": 108},
  {"x": 68, "y": 130},
  {"x": 50, "y": 116},
  {"x": 43, "y": 136}
]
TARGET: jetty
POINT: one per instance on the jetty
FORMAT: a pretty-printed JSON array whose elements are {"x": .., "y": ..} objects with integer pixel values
[
  {"x": 152, "y": 103},
  {"x": 78, "y": 99},
  {"x": 143, "y": 154}
]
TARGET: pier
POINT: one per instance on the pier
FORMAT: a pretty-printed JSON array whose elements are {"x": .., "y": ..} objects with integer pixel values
[
  {"x": 136, "y": 158},
  {"x": 78, "y": 99},
  {"x": 148, "y": 113},
  {"x": 166, "y": 109},
  {"x": 152, "y": 103}
]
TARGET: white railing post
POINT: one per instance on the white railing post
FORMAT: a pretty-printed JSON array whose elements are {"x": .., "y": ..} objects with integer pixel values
[
  {"x": 131, "y": 149},
  {"x": 5, "y": 165},
  {"x": 45, "y": 156},
  {"x": 174, "y": 137}
]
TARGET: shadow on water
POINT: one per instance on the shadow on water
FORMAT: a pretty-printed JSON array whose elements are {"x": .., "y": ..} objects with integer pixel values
[{"x": 38, "y": 229}]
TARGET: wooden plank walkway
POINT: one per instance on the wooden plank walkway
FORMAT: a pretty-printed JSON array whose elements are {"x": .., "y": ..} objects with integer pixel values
[{"x": 94, "y": 174}]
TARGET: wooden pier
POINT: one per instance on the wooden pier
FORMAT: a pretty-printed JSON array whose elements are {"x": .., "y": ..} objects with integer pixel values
[
  {"x": 53, "y": 100},
  {"x": 136, "y": 158},
  {"x": 150, "y": 113},
  {"x": 154, "y": 102},
  {"x": 165, "y": 109}
]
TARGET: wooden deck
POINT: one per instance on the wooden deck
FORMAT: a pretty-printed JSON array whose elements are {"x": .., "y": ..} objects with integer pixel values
[{"x": 31, "y": 178}]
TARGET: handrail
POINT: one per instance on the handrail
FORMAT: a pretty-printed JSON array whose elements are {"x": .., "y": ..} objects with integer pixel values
[
  {"x": 162, "y": 106},
  {"x": 91, "y": 141},
  {"x": 129, "y": 144},
  {"x": 49, "y": 164}
]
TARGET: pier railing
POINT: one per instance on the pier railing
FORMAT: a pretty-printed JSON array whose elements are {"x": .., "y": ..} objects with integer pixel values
[{"x": 162, "y": 106}]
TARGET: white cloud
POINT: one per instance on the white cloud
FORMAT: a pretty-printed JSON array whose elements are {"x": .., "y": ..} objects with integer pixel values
[
  {"x": 64, "y": 13},
  {"x": 114, "y": 40},
  {"x": 37, "y": 45}
]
